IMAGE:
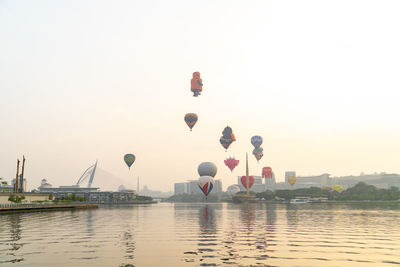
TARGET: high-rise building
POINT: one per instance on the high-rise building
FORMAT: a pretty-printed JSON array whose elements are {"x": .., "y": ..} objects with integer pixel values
[
  {"x": 270, "y": 183},
  {"x": 193, "y": 187},
  {"x": 217, "y": 187},
  {"x": 180, "y": 188}
]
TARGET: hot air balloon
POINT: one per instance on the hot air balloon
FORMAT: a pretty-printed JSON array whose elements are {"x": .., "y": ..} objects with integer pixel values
[
  {"x": 244, "y": 182},
  {"x": 267, "y": 172},
  {"x": 206, "y": 184},
  {"x": 227, "y": 137},
  {"x": 196, "y": 84},
  {"x": 256, "y": 141},
  {"x": 292, "y": 180},
  {"x": 129, "y": 159},
  {"x": 207, "y": 169},
  {"x": 231, "y": 163},
  {"x": 191, "y": 120},
  {"x": 337, "y": 188},
  {"x": 258, "y": 153}
]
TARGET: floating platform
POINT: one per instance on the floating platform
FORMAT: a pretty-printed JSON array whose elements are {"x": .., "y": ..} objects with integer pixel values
[{"x": 6, "y": 208}]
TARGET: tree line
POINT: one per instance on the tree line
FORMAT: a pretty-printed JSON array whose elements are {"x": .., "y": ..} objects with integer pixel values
[{"x": 360, "y": 192}]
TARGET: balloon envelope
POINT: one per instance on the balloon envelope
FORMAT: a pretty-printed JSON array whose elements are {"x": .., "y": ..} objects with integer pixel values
[
  {"x": 256, "y": 141},
  {"x": 231, "y": 163},
  {"x": 337, "y": 188},
  {"x": 267, "y": 172},
  {"x": 227, "y": 132},
  {"x": 227, "y": 137},
  {"x": 129, "y": 159},
  {"x": 196, "y": 84},
  {"x": 191, "y": 120},
  {"x": 207, "y": 169},
  {"x": 225, "y": 142},
  {"x": 258, "y": 153},
  {"x": 292, "y": 180},
  {"x": 206, "y": 184},
  {"x": 244, "y": 181}
]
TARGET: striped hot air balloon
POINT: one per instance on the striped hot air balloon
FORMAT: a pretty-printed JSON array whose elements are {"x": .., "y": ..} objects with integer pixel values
[
  {"x": 256, "y": 141},
  {"x": 206, "y": 184},
  {"x": 191, "y": 119}
]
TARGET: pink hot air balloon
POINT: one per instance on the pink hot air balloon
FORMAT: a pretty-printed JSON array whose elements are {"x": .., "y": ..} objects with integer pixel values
[
  {"x": 251, "y": 181},
  {"x": 267, "y": 172},
  {"x": 231, "y": 163}
]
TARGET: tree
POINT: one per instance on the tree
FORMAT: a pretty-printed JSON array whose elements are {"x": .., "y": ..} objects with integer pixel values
[{"x": 16, "y": 199}]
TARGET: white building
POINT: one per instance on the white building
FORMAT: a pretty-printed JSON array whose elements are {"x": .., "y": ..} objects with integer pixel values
[
  {"x": 45, "y": 184},
  {"x": 270, "y": 183},
  {"x": 193, "y": 187},
  {"x": 233, "y": 189},
  {"x": 217, "y": 187},
  {"x": 180, "y": 188}
]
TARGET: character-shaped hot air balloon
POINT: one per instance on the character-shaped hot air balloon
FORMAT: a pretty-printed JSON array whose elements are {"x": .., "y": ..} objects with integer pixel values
[
  {"x": 258, "y": 153},
  {"x": 191, "y": 120},
  {"x": 129, "y": 159},
  {"x": 231, "y": 163},
  {"x": 207, "y": 169},
  {"x": 267, "y": 172},
  {"x": 244, "y": 183},
  {"x": 206, "y": 184},
  {"x": 196, "y": 84},
  {"x": 292, "y": 180},
  {"x": 227, "y": 137},
  {"x": 256, "y": 141}
]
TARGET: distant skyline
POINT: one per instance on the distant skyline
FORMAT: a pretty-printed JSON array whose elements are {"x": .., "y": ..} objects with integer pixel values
[{"x": 87, "y": 80}]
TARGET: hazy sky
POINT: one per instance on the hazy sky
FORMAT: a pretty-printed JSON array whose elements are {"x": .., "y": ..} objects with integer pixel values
[{"x": 87, "y": 80}]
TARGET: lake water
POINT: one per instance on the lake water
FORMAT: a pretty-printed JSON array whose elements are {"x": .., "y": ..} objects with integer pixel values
[{"x": 220, "y": 234}]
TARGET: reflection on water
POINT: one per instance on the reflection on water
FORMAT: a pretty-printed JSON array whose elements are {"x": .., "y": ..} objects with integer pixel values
[{"x": 329, "y": 234}]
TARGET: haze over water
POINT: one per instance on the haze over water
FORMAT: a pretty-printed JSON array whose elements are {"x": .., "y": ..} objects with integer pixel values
[{"x": 205, "y": 235}]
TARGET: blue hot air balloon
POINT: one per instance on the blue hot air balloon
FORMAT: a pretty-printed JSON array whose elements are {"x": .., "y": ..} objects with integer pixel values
[
  {"x": 129, "y": 159},
  {"x": 256, "y": 141}
]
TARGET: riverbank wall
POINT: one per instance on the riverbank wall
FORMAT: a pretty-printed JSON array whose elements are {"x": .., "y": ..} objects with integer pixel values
[{"x": 7, "y": 208}]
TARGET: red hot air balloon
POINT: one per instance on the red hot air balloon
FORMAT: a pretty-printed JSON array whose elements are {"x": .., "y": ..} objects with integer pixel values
[
  {"x": 267, "y": 172},
  {"x": 251, "y": 181},
  {"x": 231, "y": 163}
]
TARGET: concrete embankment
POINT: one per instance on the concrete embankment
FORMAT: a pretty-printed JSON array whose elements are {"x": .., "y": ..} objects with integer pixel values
[
  {"x": 6, "y": 208},
  {"x": 129, "y": 202}
]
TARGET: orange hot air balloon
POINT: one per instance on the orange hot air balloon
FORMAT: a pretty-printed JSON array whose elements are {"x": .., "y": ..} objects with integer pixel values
[{"x": 196, "y": 84}]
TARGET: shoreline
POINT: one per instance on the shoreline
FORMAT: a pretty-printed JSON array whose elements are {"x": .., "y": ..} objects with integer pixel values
[{"x": 11, "y": 208}]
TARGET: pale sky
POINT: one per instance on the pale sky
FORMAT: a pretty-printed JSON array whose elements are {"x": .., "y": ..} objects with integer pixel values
[{"x": 86, "y": 80}]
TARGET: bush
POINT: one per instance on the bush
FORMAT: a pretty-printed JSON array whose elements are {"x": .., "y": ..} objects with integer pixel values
[{"x": 16, "y": 199}]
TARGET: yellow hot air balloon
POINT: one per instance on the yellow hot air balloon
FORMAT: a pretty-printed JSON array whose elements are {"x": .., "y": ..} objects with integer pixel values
[{"x": 292, "y": 180}]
